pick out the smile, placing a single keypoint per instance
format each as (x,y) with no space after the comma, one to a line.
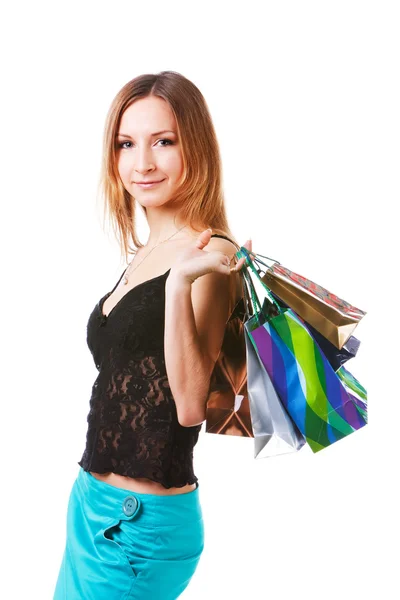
(149,185)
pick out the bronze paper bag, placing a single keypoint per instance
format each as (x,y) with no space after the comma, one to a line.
(332,316)
(228,410)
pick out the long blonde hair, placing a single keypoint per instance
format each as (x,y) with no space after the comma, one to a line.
(199,194)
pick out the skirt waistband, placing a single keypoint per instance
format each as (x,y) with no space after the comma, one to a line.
(152,510)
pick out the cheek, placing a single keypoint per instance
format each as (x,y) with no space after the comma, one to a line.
(124,170)
(174,164)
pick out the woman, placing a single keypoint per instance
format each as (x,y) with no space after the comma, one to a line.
(134,520)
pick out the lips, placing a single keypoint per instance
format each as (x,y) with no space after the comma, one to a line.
(145,182)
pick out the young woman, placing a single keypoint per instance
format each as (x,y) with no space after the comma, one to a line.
(134,521)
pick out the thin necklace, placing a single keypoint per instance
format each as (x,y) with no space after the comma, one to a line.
(130,270)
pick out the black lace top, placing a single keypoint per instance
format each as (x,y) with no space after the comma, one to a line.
(133,428)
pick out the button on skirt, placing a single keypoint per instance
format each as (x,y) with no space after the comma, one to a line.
(128,545)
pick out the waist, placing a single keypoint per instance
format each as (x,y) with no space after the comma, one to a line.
(153,510)
(141,485)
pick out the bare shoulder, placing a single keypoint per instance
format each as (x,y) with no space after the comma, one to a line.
(222,245)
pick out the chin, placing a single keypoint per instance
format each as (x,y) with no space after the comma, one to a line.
(152,203)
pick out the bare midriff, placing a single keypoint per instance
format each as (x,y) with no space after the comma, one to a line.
(141,485)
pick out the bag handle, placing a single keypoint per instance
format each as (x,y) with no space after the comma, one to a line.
(243,252)
(259,262)
(250,301)
(256,255)
(251,298)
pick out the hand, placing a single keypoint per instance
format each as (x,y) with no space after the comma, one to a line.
(194,261)
(249,246)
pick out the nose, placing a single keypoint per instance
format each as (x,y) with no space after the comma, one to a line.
(144,160)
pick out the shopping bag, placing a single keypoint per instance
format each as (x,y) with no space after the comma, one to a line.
(242,400)
(335,356)
(316,397)
(227,406)
(332,316)
(275,433)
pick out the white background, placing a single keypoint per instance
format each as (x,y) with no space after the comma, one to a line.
(305,101)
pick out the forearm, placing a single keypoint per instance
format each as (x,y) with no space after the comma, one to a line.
(188,369)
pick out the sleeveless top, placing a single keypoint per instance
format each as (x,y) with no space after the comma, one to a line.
(133,428)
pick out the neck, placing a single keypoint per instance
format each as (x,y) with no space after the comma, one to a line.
(163,224)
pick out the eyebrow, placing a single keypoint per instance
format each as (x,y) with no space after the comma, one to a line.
(152,134)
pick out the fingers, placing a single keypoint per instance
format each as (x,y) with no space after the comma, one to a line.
(249,246)
(203,238)
(238,265)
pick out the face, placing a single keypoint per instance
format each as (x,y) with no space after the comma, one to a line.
(143,156)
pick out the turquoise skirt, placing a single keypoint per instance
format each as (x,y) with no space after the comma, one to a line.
(124,545)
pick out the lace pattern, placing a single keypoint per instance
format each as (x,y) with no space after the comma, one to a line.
(133,428)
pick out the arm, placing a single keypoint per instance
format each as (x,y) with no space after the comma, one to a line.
(195,319)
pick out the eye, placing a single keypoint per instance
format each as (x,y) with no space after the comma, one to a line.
(169,142)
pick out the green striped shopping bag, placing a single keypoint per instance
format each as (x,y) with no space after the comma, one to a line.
(325,405)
